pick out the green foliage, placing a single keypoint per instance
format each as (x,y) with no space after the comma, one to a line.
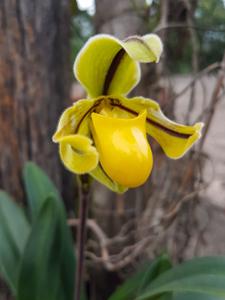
(201,275)
(208,22)
(38,188)
(140,280)
(47,268)
(200,278)
(195,296)
(210,29)
(37,260)
(211,15)
(82,29)
(14,231)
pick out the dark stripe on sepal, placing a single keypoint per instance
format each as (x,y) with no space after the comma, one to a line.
(112,70)
(165,129)
(86,114)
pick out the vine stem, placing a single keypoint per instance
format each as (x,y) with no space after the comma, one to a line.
(84,195)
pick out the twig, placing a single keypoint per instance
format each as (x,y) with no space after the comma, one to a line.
(99,233)
(207,110)
(182,25)
(129,253)
(203,72)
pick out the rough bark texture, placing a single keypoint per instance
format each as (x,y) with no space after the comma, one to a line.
(34,85)
(120,18)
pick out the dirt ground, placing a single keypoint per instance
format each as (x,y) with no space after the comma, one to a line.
(211,213)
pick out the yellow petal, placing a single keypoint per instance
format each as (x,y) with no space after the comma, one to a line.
(75,119)
(106,65)
(124,152)
(144,49)
(175,139)
(78,154)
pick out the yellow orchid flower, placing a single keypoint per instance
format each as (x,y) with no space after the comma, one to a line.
(105,134)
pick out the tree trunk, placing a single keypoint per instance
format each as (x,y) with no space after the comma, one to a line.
(121,19)
(34,85)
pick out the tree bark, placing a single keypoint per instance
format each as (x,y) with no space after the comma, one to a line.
(34,85)
(122,19)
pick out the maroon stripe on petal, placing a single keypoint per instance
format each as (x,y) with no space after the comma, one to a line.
(154,123)
(86,114)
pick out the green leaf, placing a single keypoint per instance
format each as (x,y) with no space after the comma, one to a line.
(139,281)
(193,296)
(47,269)
(14,231)
(201,275)
(38,187)
(166,296)
(158,266)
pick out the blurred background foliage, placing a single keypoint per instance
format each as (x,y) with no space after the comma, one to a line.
(210,17)
(82,28)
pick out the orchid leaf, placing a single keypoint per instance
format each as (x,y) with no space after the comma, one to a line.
(204,275)
(195,296)
(38,188)
(142,279)
(47,267)
(14,231)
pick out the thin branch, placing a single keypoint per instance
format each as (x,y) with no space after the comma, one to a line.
(207,110)
(131,252)
(182,25)
(203,72)
(99,233)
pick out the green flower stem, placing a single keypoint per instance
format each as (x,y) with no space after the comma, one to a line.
(84,196)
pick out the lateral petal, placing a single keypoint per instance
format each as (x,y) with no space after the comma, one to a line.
(75,119)
(174,138)
(78,154)
(144,49)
